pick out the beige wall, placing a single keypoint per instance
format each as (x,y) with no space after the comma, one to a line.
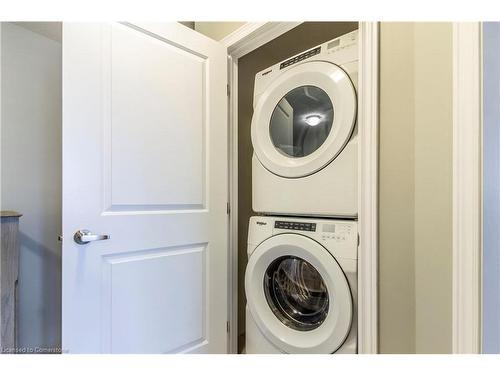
(415,187)
(396,192)
(433,187)
(217,30)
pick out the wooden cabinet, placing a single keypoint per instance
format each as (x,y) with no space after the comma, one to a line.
(9,270)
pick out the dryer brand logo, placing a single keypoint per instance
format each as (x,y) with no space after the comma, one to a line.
(261,223)
(267,72)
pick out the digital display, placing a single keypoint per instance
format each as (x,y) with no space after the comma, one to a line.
(300,57)
(334,43)
(295,225)
(329,228)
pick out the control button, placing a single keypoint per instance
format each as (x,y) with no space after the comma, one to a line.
(301,57)
(295,225)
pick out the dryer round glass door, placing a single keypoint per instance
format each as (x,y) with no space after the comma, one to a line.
(298,295)
(301,121)
(304,119)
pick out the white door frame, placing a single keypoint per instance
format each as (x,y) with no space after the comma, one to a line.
(368,112)
(250,37)
(467,187)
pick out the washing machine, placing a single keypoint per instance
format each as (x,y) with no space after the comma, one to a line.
(304,133)
(301,286)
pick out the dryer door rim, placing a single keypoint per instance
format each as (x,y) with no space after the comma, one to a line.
(330,78)
(331,334)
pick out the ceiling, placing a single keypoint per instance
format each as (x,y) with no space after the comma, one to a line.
(51,30)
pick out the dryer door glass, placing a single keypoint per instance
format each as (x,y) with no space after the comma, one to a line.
(301,121)
(296,293)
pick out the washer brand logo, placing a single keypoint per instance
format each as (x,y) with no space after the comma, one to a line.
(267,72)
(261,223)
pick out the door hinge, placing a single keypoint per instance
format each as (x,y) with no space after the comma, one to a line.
(228,208)
(228,327)
(60,238)
(228,90)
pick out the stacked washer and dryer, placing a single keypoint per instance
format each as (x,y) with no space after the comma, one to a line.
(301,277)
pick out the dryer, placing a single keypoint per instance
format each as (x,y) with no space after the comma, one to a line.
(304,133)
(301,286)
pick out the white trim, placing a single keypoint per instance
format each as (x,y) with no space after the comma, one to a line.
(232,66)
(248,38)
(232,40)
(368,192)
(253,35)
(467,130)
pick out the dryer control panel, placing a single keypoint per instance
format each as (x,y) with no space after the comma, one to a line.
(339,51)
(300,57)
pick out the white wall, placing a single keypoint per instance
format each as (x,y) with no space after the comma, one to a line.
(491,205)
(31,175)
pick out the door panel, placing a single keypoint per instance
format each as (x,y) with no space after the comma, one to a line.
(174,322)
(158,112)
(144,125)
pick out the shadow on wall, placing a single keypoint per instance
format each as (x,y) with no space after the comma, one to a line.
(31,173)
(39,283)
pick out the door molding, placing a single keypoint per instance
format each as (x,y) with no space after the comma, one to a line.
(368,192)
(467,185)
(250,37)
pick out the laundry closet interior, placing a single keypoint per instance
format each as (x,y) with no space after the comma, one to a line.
(301,38)
(32,121)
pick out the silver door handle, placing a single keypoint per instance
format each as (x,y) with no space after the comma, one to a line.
(84,236)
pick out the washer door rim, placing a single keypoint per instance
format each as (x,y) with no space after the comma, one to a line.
(331,334)
(330,78)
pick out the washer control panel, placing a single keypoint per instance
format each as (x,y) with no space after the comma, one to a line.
(337,231)
(295,225)
(338,236)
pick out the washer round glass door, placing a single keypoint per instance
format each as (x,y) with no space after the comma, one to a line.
(304,119)
(298,295)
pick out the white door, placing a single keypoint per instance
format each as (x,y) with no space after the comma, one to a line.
(144,162)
